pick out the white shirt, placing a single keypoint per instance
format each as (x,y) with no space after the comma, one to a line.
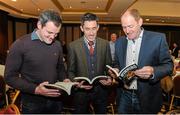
(112,47)
(133,49)
(86,42)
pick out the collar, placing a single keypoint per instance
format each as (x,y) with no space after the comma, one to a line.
(34,35)
(140,36)
(86,41)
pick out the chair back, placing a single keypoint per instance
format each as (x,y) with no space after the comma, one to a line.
(2,68)
(167,84)
(2,92)
(10,109)
(176,88)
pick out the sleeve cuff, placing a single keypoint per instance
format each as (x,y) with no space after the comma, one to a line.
(152,76)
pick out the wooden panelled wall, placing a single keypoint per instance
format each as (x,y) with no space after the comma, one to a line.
(12,28)
(3,35)
(71,32)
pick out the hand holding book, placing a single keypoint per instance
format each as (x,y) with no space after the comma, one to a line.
(126,74)
(90,81)
(86,83)
(41,90)
(62,86)
(145,72)
(83,85)
(113,72)
(106,82)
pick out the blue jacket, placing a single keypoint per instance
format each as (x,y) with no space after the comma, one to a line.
(154,52)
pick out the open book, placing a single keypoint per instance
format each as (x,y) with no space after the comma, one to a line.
(90,81)
(126,74)
(65,86)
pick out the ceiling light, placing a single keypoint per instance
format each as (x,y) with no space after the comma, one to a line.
(70,6)
(147,19)
(14,0)
(97,7)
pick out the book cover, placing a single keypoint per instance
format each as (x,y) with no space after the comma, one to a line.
(90,81)
(126,74)
(65,86)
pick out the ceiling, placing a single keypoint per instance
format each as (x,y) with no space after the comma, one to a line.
(154,12)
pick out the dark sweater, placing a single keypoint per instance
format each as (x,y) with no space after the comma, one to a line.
(35,61)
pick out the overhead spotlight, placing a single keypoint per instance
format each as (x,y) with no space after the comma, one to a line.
(14,0)
(147,19)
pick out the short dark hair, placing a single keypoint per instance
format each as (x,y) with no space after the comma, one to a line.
(89,17)
(50,15)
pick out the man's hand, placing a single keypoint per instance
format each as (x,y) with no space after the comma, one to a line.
(145,73)
(42,90)
(82,86)
(106,82)
(112,74)
(66,80)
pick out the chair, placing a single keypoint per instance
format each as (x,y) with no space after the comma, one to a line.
(2,68)
(112,100)
(8,107)
(11,108)
(176,90)
(111,108)
(2,92)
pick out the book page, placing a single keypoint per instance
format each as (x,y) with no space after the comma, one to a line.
(127,69)
(66,86)
(113,70)
(126,74)
(83,78)
(90,81)
(97,77)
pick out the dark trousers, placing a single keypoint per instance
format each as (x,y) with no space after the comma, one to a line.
(129,102)
(43,105)
(97,97)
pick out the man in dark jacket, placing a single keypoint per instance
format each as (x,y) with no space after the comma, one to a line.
(149,50)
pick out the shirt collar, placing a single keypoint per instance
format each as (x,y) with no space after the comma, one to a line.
(86,41)
(34,35)
(140,36)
